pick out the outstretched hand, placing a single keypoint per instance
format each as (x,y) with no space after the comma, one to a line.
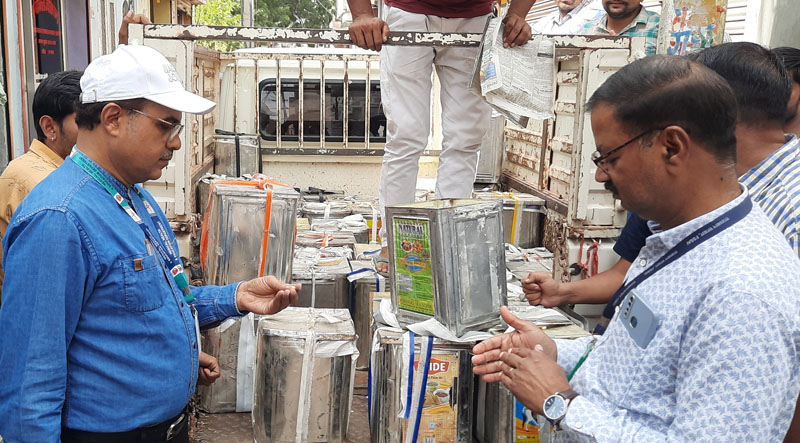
(265,295)
(487,361)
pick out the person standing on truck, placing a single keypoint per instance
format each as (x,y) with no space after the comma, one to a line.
(705,327)
(570,17)
(406,84)
(101,328)
(626,17)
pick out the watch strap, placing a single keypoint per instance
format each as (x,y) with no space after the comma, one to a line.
(568,395)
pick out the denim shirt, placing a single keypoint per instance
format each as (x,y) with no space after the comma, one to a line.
(96,335)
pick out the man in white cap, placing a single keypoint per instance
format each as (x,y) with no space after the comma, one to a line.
(100,337)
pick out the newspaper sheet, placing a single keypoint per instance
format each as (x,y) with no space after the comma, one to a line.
(518,82)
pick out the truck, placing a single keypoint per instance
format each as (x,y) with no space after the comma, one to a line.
(301,135)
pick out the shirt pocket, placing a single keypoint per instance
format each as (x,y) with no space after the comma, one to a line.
(143,283)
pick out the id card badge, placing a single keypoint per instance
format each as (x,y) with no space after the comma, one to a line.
(638,318)
(197,330)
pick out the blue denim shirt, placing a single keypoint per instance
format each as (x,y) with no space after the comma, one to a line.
(95,334)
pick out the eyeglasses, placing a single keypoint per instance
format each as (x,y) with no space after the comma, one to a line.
(600,160)
(176,127)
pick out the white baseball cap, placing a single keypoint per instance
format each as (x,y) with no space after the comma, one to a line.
(137,71)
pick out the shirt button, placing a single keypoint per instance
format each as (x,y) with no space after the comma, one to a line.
(578,425)
(643,262)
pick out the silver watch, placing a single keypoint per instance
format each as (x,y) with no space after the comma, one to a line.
(555,406)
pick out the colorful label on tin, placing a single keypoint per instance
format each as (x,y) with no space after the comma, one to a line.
(414,279)
(526,427)
(439,420)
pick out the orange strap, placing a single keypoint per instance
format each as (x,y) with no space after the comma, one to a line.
(261,182)
(265,237)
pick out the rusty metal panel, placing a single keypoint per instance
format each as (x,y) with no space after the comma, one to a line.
(298,35)
(553,157)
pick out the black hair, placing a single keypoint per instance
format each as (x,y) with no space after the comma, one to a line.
(55,97)
(663,90)
(87,115)
(757,76)
(790,57)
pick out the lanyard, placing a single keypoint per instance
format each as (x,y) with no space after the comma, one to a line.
(712,228)
(164,245)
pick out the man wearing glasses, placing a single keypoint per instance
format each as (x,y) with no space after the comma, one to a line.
(101,327)
(705,322)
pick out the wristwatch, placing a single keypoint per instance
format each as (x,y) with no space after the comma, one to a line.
(555,406)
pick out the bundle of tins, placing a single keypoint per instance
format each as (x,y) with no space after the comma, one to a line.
(356,214)
(248,231)
(448,279)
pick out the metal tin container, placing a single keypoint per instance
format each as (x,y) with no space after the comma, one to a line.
(447,412)
(305,369)
(490,160)
(235,233)
(351,223)
(447,261)
(325,285)
(504,418)
(330,209)
(223,343)
(236,155)
(316,239)
(522,217)
(233,343)
(364,282)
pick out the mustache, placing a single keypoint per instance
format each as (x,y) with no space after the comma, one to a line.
(167,156)
(610,187)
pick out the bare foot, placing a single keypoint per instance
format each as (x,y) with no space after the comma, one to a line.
(383,266)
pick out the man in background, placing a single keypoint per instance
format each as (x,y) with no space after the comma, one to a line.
(570,17)
(626,17)
(56,132)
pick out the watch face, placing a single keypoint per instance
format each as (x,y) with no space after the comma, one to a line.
(555,407)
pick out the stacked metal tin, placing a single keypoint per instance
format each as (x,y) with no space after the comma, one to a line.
(446,409)
(244,219)
(447,262)
(235,235)
(305,368)
(522,217)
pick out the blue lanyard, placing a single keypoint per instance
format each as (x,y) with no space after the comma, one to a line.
(164,246)
(712,228)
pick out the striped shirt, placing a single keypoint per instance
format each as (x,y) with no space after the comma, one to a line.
(775,185)
(644,25)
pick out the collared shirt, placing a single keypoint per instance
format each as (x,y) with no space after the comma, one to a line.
(775,186)
(96,334)
(20,176)
(645,24)
(572,22)
(722,365)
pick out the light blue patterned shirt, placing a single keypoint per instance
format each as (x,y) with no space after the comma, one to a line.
(775,186)
(724,363)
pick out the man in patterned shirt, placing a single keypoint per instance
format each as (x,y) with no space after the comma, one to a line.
(721,364)
(626,17)
(569,18)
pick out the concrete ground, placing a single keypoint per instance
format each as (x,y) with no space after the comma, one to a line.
(237,427)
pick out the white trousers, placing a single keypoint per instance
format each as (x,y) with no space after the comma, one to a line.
(406,82)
